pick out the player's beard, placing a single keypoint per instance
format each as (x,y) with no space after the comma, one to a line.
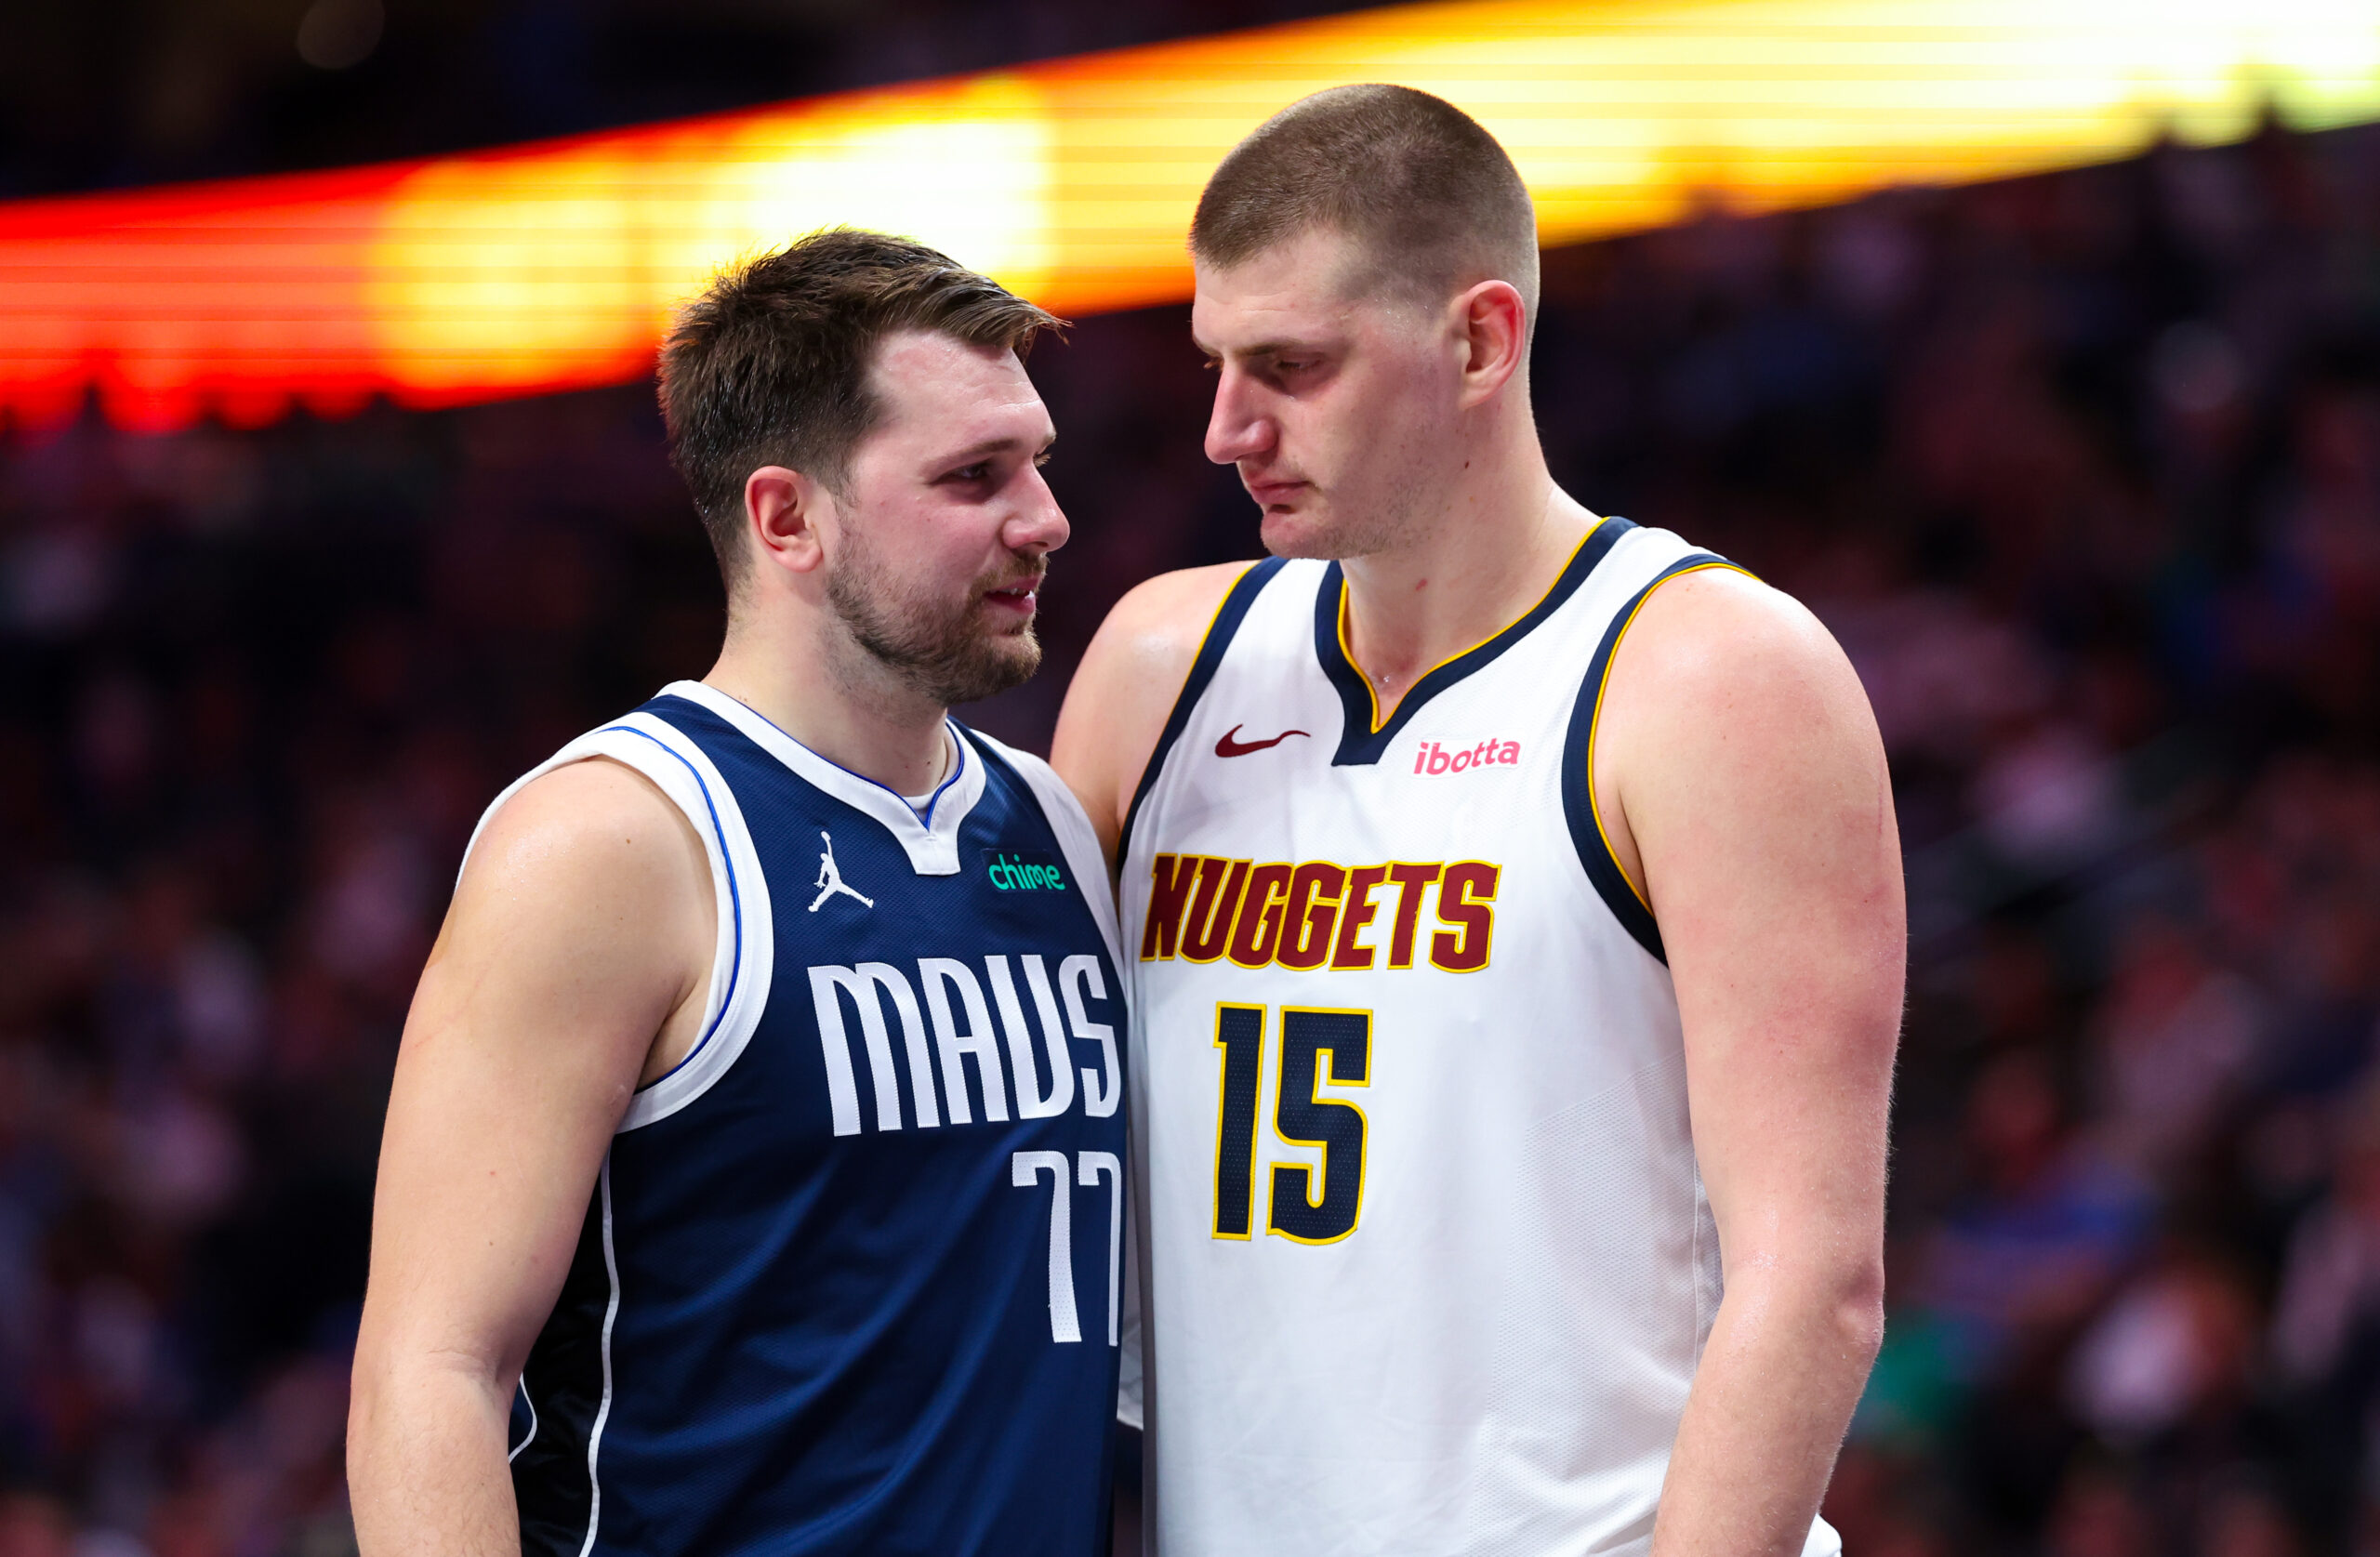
(939,648)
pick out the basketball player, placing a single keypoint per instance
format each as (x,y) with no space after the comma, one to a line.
(1518,929)
(752,1178)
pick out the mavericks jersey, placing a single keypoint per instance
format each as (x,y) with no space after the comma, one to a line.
(849,1279)
(1429,1262)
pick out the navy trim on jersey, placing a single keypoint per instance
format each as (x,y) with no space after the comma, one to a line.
(1360,744)
(1228,617)
(734,902)
(1611,883)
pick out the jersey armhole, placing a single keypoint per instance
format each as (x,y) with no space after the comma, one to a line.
(742,961)
(1220,632)
(1579,809)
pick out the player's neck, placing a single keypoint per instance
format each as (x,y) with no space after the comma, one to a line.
(1477,568)
(829,696)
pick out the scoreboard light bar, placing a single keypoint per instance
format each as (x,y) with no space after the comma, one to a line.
(556,265)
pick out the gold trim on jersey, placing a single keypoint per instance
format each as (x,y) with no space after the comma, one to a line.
(1595,725)
(1347,648)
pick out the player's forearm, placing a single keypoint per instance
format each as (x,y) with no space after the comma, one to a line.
(1788,1355)
(426,1462)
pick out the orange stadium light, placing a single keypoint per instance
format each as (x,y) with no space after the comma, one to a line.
(556,266)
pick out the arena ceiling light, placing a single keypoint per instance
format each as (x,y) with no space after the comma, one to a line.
(555,265)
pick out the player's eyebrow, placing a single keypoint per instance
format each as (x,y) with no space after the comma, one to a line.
(1262,349)
(991,446)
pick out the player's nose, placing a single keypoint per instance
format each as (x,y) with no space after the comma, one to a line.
(1237,427)
(1038,524)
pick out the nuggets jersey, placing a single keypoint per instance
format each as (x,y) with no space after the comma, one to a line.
(849,1282)
(1429,1262)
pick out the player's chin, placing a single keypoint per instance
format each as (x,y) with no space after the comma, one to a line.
(1004,635)
(1299,532)
(995,666)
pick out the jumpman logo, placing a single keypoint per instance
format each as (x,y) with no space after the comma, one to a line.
(830,879)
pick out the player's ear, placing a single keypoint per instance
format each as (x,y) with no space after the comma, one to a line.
(1493,321)
(781,512)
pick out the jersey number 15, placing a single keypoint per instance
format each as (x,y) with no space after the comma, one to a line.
(1307,1205)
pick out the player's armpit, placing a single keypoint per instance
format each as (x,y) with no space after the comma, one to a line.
(1118,702)
(1742,765)
(581,929)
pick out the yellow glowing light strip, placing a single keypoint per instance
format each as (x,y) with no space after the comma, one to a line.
(558,265)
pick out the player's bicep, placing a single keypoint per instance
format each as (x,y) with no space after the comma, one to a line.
(1761,811)
(566,950)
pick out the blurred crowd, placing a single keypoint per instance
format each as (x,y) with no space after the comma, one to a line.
(2083,470)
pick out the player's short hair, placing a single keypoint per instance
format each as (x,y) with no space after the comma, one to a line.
(769,366)
(1428,196)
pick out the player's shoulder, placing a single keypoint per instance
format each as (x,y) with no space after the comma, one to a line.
(1128,678)
(1717,655)
(1168,616)
(1146,646)
(1719,626)
(581,826)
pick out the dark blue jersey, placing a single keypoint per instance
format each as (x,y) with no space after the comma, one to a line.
(849,1282)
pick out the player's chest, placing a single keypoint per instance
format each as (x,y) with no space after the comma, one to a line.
(909,1002)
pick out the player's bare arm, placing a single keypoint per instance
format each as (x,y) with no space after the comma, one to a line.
(1746,794)
(573,964)
(1117,705)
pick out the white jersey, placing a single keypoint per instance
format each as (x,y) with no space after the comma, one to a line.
(1429,1261)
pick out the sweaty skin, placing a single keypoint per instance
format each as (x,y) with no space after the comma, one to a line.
(576,960)
(1740,777)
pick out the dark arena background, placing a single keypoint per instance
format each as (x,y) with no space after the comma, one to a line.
(2082,468)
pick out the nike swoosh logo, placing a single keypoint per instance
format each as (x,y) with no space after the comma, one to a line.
(1229,747)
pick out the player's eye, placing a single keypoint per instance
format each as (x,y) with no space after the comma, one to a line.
(978,471)
(1041,459)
